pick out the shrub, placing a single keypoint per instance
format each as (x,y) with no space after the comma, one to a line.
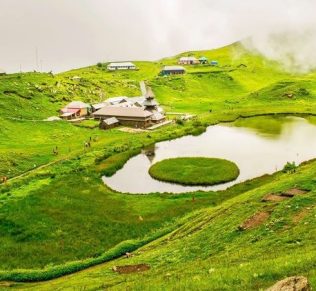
(290,168)
(179,121)
(197,123)
(116,162)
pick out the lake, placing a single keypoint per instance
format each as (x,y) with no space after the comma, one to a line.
(259,145)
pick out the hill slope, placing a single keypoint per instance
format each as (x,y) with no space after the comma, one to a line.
(211,251)
(60,211)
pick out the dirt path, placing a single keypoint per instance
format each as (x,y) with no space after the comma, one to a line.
(23,119)
(64,158)
(142,86)
(131,268)
(36,169)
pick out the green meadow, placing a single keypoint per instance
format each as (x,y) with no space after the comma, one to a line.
(195,171)
(57,217)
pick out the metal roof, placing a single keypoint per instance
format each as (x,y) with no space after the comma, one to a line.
(110,121)
(122,64)
(174,68)
(70,110)
(99,105)
(157,116)
(77,104)
(140,100)
(68,114)
(123,112)
(118,99)
(188,59)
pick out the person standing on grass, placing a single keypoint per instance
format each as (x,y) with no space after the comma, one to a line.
(55,151)
(85,146)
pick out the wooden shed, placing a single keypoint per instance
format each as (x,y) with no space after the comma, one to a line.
(109,123)
(172,70)
(188,61)
(121,66)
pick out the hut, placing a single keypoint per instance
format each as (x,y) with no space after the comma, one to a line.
(130,116)
(121,66)
(75,109)
(116,100)
(172,70)
(203,60)
(96,107)
(158,117)
(109,123)
(188,61)
(69,114)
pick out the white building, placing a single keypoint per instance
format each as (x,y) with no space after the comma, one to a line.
(121,66)
(188,61)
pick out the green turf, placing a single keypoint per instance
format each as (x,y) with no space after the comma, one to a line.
(210,252)
(195,171)
(62,212)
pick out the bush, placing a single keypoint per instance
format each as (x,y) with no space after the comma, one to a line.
(116,162)
(290,168)
(302,92)
(197,123)
(179,121)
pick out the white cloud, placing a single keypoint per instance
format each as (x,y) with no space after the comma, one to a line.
(74,33)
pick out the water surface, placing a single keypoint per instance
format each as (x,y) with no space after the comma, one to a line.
(259,146)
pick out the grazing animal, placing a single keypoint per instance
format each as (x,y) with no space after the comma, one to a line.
(128,255)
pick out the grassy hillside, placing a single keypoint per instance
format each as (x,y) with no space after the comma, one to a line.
(211,251)
(225,90)
(59,210)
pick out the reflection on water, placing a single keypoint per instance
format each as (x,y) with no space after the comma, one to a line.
(258,146)
(271,126)
(150,152)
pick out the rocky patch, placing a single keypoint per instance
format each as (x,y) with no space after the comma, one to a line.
(131,269)
(255,220)
(273,198)
(278,197)
(293,192)
(296,283)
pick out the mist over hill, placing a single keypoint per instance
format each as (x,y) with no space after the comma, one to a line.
(60,35)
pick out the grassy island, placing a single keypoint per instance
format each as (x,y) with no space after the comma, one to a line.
(195,171)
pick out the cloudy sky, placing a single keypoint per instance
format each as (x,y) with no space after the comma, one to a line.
(67,34)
